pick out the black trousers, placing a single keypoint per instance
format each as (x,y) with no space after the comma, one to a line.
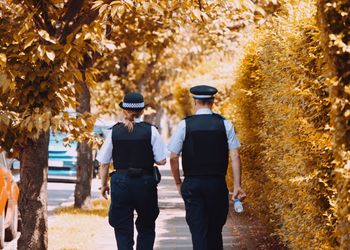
(129,194)
(206,202)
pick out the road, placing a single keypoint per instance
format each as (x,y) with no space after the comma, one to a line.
(59,194)
(63,194)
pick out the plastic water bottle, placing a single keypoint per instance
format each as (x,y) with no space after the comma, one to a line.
(237,204)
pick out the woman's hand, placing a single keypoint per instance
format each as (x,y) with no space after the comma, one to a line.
(104,180)
(178,187)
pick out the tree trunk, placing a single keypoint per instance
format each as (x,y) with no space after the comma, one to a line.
(82,192)
(33,194)
(155,117)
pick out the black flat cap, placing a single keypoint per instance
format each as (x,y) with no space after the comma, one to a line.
(203,92)
(132,100)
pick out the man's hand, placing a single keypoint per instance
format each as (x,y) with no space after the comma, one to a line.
(178,187)
(239,193)
(174,165)
(105,192)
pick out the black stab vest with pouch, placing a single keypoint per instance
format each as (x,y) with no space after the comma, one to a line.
(205,149)
(132,150)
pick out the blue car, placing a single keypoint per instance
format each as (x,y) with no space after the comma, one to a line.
(101,131)
(62,159)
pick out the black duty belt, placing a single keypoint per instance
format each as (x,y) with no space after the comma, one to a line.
(134,171)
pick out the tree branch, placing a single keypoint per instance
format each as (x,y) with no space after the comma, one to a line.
(44,10)
(85,18)
(73,8)
(200,5)
(109,27)
(146,74)
(201,9)
(37,20)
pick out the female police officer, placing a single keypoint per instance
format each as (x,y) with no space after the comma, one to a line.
(134,147)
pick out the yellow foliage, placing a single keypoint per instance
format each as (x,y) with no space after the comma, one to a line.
(224,105)
(40,70)
(335,23)
(182,104)
(97,207)
(282,105)
(106,96)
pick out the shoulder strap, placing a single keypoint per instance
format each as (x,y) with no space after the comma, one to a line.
(150,124)
(219,116)
(117,124)
(187,117)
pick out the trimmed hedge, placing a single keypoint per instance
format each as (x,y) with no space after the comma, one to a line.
(282,117)
(290,105)
(334,19)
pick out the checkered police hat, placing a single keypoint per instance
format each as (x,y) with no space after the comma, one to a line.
(203,92)
(132,101)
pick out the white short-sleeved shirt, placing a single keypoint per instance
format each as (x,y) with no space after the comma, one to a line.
(104,155)
(176,142)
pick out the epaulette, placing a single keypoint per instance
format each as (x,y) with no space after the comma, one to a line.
(220,116)
(118,123)
(187,117)
(151,124)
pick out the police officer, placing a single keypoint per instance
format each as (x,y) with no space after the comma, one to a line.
(134,146)
(205,140)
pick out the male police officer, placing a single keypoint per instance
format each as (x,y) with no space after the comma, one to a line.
(205,140)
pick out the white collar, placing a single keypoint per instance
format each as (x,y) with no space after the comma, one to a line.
(138,120)
(204,111)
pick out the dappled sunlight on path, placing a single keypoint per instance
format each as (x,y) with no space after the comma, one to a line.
(82,232)
(172,230)
(90,232)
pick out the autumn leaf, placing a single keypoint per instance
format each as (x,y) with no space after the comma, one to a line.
(41,51)
(157,8)
(129,2)
(50,55)
(45,35)
(29,41)
(4,83)
(30,126)
(3,60)
(67,48)
(103,8)
(197,14)
(97,4)
(110,45)
(250,5)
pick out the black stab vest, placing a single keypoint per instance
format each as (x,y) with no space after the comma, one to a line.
(132,150)
(205,149)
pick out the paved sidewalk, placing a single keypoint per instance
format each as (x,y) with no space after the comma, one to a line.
(240,232)
(172,230)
